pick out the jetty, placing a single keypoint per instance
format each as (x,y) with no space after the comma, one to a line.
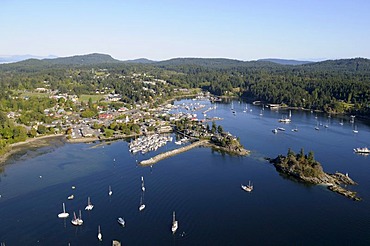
(170,153)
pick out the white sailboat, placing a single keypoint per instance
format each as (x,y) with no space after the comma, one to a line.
(64,214)
(142,184)
(89,205)
(100,236)
(248,187)
(121,221)
(142,205)
(175,223)
(110,191)
(355,130)
(77,221)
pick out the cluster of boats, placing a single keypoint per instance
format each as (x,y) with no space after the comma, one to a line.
(78,221)
(145,144)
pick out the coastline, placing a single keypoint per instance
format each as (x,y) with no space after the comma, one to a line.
(31,142)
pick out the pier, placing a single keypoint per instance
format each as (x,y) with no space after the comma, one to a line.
(170,153)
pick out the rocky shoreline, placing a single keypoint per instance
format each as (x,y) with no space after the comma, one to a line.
(310,171)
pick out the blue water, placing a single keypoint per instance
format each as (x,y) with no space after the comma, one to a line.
(201,185)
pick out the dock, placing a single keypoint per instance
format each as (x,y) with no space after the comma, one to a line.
(170,153)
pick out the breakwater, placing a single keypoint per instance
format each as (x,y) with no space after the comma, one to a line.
(170,153)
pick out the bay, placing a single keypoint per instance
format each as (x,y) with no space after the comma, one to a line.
(201,185)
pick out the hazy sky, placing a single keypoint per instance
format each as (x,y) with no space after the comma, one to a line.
(163,29)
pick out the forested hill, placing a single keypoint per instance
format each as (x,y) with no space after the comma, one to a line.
(285,61)
(83,60)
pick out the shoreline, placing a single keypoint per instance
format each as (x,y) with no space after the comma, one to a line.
(31,142)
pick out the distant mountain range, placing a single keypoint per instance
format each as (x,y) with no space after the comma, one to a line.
(355,64)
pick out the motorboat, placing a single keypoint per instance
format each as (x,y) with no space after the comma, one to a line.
(71,197)
(142,206)
(64,214)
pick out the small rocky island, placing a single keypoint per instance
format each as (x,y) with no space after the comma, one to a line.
(306,169)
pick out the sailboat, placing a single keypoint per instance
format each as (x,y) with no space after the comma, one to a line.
(100,236)
(142,205)
(355,130)
(142,184)
(341,123)
(89,205)
(248,187)
(77,221)
(317,126)
(110,191)
(175,223)
(64,214)
(121,221)
(246,108)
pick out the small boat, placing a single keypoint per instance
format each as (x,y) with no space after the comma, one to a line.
(285,120)
(110,191)
(317,128)
(73,187)
(77,221)
(341,123)
(175,223)
(121,221)
(89,205)
(355,130)
(281,129)
(142,206)
(64,214)
(295,130)
(275,131)
(100,236)
(71,197)
(248,187)
(364,150)
(142,184)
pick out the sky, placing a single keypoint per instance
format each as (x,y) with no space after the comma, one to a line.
(164,29)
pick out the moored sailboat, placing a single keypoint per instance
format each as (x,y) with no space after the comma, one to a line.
(64,214)
(175,223)
(248,187)
(89,205)
(100,236)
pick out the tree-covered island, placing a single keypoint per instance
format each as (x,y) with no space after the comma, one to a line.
(306,169)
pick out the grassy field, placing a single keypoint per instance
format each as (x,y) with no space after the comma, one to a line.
(95,97)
